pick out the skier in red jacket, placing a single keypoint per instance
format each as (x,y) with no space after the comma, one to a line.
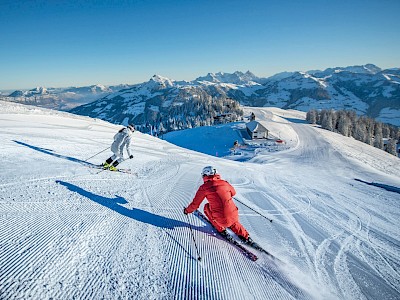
(220,209)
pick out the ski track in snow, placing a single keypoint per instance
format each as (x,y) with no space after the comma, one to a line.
(68,231)
(318,258)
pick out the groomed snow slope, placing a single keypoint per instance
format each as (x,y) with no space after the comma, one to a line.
(70,232)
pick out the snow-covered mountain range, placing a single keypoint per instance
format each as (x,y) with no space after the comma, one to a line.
(367,89)
(60,98)
(164,103)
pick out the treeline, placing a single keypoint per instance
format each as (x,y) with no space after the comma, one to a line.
(198,111)
(364,129)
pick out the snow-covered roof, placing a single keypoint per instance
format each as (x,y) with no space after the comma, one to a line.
(255,126)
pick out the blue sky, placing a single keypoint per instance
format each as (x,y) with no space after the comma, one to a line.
(76,43)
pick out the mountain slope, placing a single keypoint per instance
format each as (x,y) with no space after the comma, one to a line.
(374,94)
(68,232)
(366,89)
(61,98)
(164,104)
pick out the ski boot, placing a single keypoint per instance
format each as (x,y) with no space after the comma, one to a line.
(112,168)
(249,241)
(105,165)
(224,233)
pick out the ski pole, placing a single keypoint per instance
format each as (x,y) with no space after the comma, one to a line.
(194,240)
(252,209)
(97,153)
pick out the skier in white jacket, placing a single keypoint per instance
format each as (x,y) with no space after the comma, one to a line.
(121,140)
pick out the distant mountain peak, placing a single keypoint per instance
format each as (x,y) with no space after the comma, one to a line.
(158,81)
(364,88)
(99,88)
(38,90)
(236,78)
(248,73)
(161,79)
(280,76)
(356,69)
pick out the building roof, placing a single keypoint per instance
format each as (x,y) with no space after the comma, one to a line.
(255,126)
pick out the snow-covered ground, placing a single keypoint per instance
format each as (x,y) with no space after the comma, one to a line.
(218,140)
(68,231)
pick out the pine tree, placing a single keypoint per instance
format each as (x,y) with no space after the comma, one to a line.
(385,130)
(312,116)
(395,132)
(326,120)
(351,114)
(162,128)
(378,136)
(343,123)
(360,131)
(334,118)
(391,147)
(370,125)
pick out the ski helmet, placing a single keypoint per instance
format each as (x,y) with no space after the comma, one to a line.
(131,127)
(208,171)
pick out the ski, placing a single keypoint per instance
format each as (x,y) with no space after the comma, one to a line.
(100,167)
(256,246)
(229,239)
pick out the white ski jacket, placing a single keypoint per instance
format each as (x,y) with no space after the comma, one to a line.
(121,140)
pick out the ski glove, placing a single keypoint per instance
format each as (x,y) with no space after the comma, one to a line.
(131,156)
(185,211)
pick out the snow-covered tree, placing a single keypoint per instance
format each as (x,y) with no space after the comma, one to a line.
(363,129)
(162,128)
(334,117)
(360,131)
(385,130)
(343,123)
(312,116)
(326,120)
(370,125)
(394,132)
(391,147)
(378,137)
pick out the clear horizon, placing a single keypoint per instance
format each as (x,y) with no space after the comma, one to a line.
(68,43)
(129,83)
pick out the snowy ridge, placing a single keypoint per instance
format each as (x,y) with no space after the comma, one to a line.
(68,232)
(60,98)
(366,89)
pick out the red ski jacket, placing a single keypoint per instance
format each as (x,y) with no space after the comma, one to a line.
(219,194)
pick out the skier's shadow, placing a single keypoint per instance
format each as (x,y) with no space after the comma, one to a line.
(50,152)
(135,213)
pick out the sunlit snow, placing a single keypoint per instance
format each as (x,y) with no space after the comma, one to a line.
(69,231)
